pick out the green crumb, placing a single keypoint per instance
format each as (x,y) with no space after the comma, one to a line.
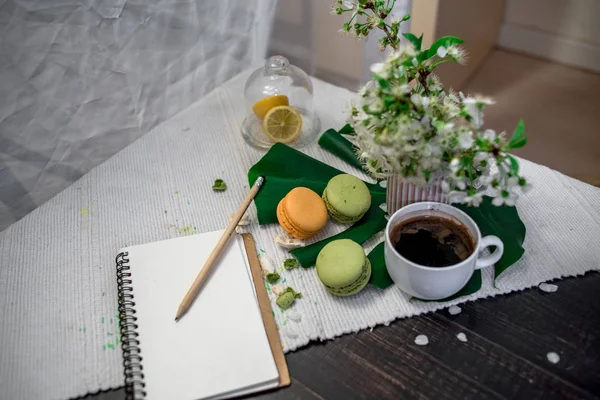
(111,346)
(104,347)
(296,295)
(286,299)
(272,277)
(219,185)
(290,263)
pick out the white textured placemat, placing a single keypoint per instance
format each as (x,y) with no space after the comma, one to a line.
(57,274)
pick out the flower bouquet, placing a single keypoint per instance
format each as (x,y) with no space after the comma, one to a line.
(428,141)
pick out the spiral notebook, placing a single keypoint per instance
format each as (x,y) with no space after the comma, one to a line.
(226,345)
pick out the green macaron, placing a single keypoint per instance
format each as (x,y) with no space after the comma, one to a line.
(347,198)
(343,267)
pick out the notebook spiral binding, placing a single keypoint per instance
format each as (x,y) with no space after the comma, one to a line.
(132,359)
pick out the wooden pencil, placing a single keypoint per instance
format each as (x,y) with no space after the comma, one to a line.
(210,262)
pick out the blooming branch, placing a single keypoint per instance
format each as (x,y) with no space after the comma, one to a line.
(407,124)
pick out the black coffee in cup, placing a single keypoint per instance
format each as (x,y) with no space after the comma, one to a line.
(432,241)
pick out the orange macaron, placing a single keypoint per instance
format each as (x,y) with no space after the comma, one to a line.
(302,213)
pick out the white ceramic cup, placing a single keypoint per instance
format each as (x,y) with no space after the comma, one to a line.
(435,283)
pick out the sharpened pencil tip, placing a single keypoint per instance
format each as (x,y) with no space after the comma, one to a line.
(176,319)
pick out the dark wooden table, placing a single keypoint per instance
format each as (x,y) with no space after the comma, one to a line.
(504,357)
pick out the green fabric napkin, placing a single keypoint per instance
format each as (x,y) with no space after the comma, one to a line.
(286,168)
(335,143)
(379,275)
(373,222)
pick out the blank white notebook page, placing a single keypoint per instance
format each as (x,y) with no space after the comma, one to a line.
(220,346)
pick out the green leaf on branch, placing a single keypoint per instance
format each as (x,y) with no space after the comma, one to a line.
(518,138)
(445,41)
(514,164)
(416,41)
(382,82)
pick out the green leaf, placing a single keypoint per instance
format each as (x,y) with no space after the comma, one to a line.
(335,143)
(517,144)
(416,41)
(347,130)
(518,134)
(514,164)
(445,41)
(373,222)
(379,275)
(472,286)
(503,222)
(284,169)
(382,82)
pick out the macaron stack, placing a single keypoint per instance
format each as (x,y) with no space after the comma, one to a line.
(347,198)
(302,213)
(343,267)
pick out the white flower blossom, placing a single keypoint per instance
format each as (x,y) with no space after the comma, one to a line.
(413,127)
(441,52)
(505,198)
(489,134)
(377,68)
(458,54)
(466,140)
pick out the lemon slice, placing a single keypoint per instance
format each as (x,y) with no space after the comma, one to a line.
(262,107)
(282,124)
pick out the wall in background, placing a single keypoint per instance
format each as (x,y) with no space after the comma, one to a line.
(565,31)
(476,22)
(307,33)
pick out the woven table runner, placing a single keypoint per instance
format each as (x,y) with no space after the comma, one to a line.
(57,273)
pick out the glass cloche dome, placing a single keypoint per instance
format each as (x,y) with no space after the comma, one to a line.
(279,106)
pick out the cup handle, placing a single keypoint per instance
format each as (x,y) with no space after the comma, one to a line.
(492,258)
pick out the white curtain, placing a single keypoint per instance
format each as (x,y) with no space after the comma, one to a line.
(81,79)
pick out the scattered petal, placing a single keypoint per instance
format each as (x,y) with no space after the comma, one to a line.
(548,287)
(553,357)
(422,340)
(462,337)
(294,316)
(243,222)
(289,243)
(265,264)
(277,289)
(383,184)
(383,206)
(291,332)
(454,310)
